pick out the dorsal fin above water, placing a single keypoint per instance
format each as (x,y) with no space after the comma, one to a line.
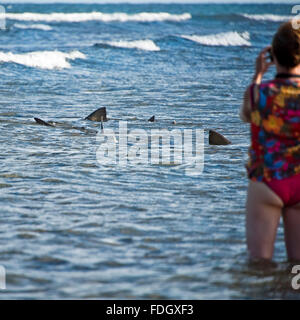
(43,123)
(98,115)
(216,138)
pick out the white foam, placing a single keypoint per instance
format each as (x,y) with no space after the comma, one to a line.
(98,16)
(43,27)
(147,45)
(232,38)
(42,59)
(268,17)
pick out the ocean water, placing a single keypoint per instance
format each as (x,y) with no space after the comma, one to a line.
(73,228)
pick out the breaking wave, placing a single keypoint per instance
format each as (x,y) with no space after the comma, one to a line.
(268,17)
(147,45)
(42,59)
(33,26)
(98,16)
(232,38)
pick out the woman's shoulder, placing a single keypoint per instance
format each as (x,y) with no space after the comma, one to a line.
(273,83)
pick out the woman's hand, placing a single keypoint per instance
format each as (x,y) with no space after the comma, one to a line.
(262,65)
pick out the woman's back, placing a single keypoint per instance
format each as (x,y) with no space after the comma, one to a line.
(275,122)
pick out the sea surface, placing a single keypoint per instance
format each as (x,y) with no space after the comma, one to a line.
(73,228)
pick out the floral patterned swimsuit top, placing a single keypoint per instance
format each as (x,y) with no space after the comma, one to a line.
(275,130)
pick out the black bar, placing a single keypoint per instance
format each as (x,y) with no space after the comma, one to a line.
(142,309)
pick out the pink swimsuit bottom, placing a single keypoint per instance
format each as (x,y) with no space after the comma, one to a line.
(288,189)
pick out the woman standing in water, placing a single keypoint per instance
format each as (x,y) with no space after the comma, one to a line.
(273,109)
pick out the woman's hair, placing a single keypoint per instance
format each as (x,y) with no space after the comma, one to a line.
(286,45)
